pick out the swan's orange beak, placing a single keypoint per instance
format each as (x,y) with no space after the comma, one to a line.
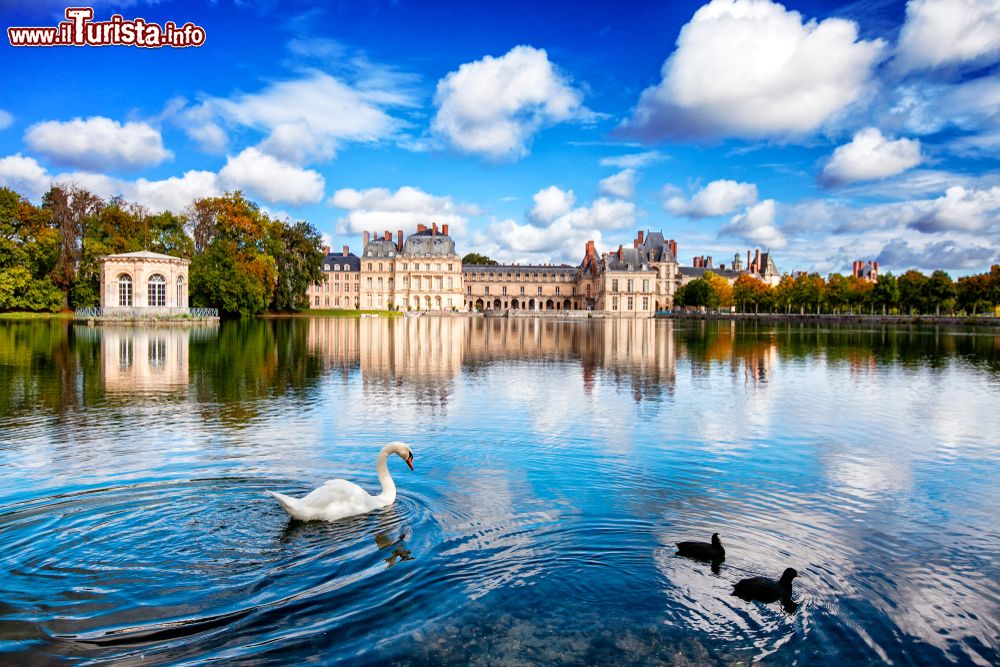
(409,460)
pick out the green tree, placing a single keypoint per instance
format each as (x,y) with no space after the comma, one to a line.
(697,293)
(973,293)
(807,291)
(750,294)
(296,251)
(231,270)
(885,293)
(475,258)
(940,292)
(837,288)
(913,291)
(28,253)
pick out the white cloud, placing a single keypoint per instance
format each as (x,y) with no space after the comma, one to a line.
(318,109)
(297,142)
(275,181)
(940,33)
(494,106)
(752,68)
(620,185)
(175,193)
(5,119)
(870,156)
(98,143)
(633,160)
(379,209)
(24,174)
(555,229)
(756,225)
(946,254)
(960,209)
(550,203)
(720,197)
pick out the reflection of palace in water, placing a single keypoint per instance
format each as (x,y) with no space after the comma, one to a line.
(147,358)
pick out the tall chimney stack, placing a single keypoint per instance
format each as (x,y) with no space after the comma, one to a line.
(434,229)
(444,229)
(673,248)
(756,260)
(635,243)
(749,263)
(641,236)
(399,240)
(347,251)
(421,227)
(366,236)
(326,250)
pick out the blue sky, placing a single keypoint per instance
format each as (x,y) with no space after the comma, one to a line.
(824,132)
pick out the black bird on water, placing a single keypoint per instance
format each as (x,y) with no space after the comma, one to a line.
(767,590)
(703,550)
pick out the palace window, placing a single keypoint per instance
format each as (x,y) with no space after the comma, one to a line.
(468,290)
(630,303)
(124,290)
(504,290)
(405,266)
(557,290)
(522,290)
(614,303)
(180,291)
(369,266)
(645,285)
(157,290)
(645,303)
(614,286)
(326,267)
(486,290)
(316,300)
(336,267)
(450,267)
(539,291)
(450,283)
(629,285)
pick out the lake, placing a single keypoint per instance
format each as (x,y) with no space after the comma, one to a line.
(556,465)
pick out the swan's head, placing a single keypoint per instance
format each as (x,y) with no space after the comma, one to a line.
(404,452)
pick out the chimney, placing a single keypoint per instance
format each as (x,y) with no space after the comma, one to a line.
(366,241)
(749,263)
(434,229)
(641,236)
(399,240)
(326,250)
(673,248)
(709,263)
(619,252)
(444,229)
(347,251)
(756,260)
(421,228)
(635,242)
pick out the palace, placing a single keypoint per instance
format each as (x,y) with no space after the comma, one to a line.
(424,272)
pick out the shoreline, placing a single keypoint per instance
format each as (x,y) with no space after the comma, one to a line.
(826,318)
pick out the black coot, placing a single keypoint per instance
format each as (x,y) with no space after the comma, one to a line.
(763,589)
(703,550)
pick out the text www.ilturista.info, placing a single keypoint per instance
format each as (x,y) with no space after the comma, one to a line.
(79,29)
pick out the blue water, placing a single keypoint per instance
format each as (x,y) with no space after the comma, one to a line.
(556,465)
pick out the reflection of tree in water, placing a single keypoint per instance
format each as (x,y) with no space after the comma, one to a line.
(47,365)
(399,551)
(249,361)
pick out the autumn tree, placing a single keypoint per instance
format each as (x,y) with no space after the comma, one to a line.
(29,251)
(749,292)
(722,289)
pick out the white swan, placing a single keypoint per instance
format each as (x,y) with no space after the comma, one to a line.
(339,498)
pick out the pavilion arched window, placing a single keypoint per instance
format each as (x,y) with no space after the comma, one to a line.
(180,291)
(157,292)
(125,290)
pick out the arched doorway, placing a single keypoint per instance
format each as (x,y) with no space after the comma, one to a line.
(514,304)
(496,303)
(549,305)
(531,304)
(567,305)
(437,303)
(125,290)
(479,304)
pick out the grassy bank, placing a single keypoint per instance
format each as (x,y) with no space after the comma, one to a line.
(331,312)
(36,316)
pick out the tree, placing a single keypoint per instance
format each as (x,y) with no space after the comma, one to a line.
(697,293)
(973,293)
(476,259)
(807,291)
(71,210)
(913,291)
(722,289)
(749,291)
(837,288)
(940,292)
(231,270)
(297,255)
(29,250)
(885,293)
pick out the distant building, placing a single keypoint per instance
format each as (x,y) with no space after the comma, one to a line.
(144,283)
(866,271)
(424,272)
(341,288)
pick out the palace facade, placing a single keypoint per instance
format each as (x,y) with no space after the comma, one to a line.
(424,272)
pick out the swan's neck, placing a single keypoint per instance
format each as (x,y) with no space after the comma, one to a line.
(388,494)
